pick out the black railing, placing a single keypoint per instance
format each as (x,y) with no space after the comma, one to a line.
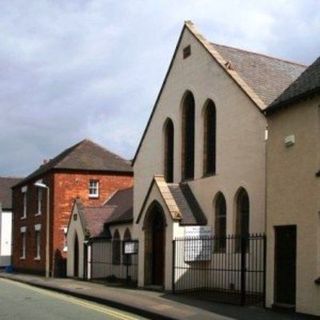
(227,269)
(109,262)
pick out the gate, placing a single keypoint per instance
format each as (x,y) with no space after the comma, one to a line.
(227,269)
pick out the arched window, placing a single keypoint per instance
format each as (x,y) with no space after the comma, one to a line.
(209,156)
(242,218)
(116,248)
(188,130)
(168,150)
(127,261)
(220,226)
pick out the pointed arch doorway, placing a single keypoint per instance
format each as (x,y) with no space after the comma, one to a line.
(155,243)
(76,257)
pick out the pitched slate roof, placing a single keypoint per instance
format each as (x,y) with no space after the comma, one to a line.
(122,202)
(5,191)
(180,201)
(260,77)
(267,76)
(93,219)
(85,155)
(117,210)
(188,205)
(307,84)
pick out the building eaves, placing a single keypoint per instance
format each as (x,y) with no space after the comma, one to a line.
(83,156)
(306,85)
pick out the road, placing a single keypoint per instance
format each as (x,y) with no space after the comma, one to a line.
(20,301)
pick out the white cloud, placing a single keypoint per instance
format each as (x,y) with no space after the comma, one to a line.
(77,68)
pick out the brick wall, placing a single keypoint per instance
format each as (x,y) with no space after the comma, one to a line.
(29,264)
(64,188)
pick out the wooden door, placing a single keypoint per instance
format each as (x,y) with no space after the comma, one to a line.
(158,245)
(76,257)
(285,265)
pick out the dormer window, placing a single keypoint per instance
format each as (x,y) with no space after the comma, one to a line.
(93,189)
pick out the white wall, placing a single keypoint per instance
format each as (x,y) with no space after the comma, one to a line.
(74,228)
(293,197)
(240,144)
(5,237)
(240,137)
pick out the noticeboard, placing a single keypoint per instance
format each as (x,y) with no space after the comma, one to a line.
(130,247)
(198,243)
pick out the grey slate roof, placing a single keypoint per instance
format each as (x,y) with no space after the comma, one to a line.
(188,205)
(122,202)
(93,219)
(267,76)
(85,155)
(5,191)
(307,84)
(117,210)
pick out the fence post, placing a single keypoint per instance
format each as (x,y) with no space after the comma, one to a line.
(264,269)
(173,265)
(244,239)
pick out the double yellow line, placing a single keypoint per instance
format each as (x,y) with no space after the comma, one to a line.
(79,302)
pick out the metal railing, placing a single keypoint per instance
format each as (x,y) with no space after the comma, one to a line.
(108,262)
(226,269)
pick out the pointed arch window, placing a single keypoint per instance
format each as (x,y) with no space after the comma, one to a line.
(168,150)
(220,226)
(209,155)
(188,133)
(116,248)
(242,218)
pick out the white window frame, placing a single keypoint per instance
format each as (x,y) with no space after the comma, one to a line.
(23,232)
(37,229)
(24,192)
(94,186)
(39,203)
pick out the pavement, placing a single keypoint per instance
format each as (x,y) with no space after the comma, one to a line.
(151,304)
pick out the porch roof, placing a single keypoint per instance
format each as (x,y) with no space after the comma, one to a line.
(180,202)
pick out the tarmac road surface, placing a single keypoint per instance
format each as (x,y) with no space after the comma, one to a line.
(21,301)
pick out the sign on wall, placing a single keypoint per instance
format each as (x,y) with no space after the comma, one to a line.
(198,243)
(130,247)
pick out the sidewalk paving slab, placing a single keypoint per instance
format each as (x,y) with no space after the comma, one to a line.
(151,304)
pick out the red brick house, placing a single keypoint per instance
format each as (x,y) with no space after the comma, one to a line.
(86,171)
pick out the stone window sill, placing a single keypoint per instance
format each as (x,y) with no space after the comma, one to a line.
(37,258)
(23,218)
(22,258)
(37,214)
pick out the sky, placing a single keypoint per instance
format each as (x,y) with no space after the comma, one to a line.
(80,69)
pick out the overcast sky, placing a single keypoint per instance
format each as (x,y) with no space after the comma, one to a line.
(92,69)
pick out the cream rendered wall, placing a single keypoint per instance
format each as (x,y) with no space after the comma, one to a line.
(293,196)
(240,137)
(120,271)
(74,228)
(122,229)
